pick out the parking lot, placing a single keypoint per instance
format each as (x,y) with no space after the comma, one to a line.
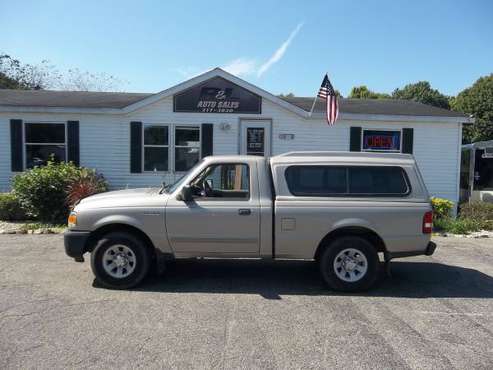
(433,313)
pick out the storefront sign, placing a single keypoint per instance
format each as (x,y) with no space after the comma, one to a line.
(382,140)
(217,95)
(255,141)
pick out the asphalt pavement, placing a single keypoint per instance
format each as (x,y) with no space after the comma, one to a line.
(435,312)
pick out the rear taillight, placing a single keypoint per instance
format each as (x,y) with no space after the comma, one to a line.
(428,222)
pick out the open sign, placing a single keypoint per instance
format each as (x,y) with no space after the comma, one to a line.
(382,140)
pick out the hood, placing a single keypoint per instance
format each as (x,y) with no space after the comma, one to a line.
(124,198)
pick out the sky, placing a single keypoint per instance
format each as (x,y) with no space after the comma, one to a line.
(280,46)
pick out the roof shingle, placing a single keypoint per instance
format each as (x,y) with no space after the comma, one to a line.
(118,100)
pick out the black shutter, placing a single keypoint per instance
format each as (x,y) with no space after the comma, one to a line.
(207,139)
(407,140)
(73,151)
(355,139)
(16,144)
(135,147)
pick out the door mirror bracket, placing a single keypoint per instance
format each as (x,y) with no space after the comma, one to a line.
(185,194)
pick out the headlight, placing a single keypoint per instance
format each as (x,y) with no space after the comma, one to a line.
(72,219)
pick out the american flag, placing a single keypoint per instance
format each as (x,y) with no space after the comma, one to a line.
(328,93)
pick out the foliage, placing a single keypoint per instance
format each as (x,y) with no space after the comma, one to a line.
(10,208)
(458,225)
(17,75)
(362,92)
(422,92)
(441,207)
(473,216)
(42,191)
(480,211)
(477,101)
(85,183)
(43,227)
(288,95)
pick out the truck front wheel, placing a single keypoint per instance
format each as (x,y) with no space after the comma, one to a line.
(349,264)
(120,261)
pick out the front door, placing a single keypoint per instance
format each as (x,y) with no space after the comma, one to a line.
(255,138)
(223,217)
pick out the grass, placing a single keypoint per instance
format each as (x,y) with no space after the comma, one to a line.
(45,227)
(460,225)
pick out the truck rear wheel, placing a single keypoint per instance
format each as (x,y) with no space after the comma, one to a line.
(349,264)
(120,261)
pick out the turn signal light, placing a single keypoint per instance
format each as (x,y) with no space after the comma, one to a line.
(72,220)
(428,222)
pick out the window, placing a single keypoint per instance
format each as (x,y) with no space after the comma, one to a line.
(381,141)
(187,147)
(224,181)
(316,180)
(319,181)
(377,181)
(156,143)
(43,142)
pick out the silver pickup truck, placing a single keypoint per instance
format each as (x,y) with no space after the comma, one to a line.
(339,209)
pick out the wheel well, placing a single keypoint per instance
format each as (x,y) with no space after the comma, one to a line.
(98,233)
(362,232)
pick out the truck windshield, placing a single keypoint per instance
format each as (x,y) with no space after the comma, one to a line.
(172,187)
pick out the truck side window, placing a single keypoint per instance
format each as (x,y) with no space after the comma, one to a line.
(324,181)
(229,180)
(316,180)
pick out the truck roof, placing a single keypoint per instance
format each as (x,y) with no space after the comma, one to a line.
(363,157)
(318,157)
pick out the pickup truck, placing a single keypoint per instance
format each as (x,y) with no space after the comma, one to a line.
(342,210)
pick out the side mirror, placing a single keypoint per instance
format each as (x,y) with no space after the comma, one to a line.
(185,194)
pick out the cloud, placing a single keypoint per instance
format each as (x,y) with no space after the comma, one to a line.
(245,66)
(279,53)
(241,67)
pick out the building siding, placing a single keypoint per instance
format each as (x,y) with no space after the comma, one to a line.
(105,141)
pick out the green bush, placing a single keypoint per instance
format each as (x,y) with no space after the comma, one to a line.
(457,225)
(441,208)
(10,208)
(42,191)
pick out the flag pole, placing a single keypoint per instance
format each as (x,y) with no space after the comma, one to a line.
(313,105)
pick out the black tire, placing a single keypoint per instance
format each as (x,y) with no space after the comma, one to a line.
(328,256)
(142,260)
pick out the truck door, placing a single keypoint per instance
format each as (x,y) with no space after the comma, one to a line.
(223,219)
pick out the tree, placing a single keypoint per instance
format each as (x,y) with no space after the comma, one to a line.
(16,75)
(422,92)
(362,92)
(288,95)
(477,101)
(8,83)
(26,76)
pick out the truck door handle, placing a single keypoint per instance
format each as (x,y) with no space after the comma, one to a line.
(244,211)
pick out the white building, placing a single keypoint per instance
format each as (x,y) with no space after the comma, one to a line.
(143,139)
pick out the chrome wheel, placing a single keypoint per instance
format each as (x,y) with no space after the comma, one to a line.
(350,265)
(119,261)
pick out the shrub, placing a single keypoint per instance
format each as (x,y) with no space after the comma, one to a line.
(477,211)
(441,208)
(458,225)
(10,208)
(42,191)
(85,183)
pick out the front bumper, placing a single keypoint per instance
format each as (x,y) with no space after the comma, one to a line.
(75,243)
(429,250)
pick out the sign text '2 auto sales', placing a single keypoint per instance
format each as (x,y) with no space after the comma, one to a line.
(217,95)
